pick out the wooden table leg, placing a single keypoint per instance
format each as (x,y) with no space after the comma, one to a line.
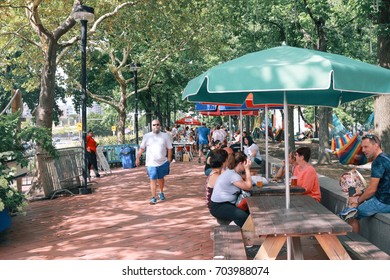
(332,247)
(270,248)
(248,233)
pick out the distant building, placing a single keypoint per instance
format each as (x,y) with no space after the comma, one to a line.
(96,108)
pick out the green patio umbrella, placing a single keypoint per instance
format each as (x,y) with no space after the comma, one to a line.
(289,75)
(307,77)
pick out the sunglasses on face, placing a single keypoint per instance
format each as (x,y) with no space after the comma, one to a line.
(156,124)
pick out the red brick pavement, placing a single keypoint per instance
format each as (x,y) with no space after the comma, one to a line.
(116,222)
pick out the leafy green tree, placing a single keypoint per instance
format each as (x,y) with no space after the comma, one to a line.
(94,123)
(44,31)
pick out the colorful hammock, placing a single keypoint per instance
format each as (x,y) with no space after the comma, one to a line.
(351,152)
(339,141)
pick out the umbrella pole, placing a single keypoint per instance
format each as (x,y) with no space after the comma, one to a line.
(287,167)
(230,128)
(287,164)
(266,143)
(241,129)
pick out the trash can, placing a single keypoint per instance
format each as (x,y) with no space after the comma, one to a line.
(127,154)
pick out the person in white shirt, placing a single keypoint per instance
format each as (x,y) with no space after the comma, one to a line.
(252,150)
(168,131)
(157,145)
(219,134)
(174,132)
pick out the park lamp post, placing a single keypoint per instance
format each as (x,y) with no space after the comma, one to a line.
(84,14)
(134,67)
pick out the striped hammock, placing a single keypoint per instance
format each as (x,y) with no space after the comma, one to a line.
(340,141)
(351,151)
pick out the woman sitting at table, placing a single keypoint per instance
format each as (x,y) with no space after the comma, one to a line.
(215,145)
(217,162)
(306,174)
(227,187)
(252,150)
(292,164)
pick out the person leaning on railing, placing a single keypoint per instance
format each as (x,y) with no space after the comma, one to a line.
(91,153)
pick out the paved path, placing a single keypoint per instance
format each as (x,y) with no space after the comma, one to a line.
(116,222)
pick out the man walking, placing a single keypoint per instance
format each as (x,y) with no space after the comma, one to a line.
(203,139)
(157,145)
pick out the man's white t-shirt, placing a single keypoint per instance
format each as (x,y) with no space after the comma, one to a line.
(156,145)
(219,134)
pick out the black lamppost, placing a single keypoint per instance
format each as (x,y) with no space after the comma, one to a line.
(135,67)
(84,14)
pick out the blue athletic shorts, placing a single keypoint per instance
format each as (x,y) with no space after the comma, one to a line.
(370,207)
(158,172)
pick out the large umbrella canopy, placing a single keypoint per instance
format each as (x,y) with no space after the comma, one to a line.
(307,77)
(188,121)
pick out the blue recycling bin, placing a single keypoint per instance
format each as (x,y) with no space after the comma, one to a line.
(5,220)
(127,154)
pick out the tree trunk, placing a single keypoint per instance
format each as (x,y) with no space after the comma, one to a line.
(382,103)
(323,156)
(291,139)
(122,114)
(44,110)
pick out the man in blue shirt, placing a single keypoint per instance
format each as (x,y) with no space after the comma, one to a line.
(376,198)
(203,139)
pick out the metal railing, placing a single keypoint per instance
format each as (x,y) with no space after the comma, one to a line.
(113,152)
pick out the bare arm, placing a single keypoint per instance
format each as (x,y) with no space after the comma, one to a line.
(170,155)
(247,183)
(281,172)
(140,151)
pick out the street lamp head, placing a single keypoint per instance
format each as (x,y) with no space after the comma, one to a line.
(82,12)
(135,66)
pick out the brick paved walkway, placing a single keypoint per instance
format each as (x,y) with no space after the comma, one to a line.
(116,222)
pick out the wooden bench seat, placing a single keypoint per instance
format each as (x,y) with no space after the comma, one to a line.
(228,243)
(360,248)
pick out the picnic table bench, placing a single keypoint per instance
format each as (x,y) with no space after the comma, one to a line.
(362,249)
(228,243)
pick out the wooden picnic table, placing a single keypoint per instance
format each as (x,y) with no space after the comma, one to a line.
(269,218)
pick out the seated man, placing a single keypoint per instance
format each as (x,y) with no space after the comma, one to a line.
(376,198)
